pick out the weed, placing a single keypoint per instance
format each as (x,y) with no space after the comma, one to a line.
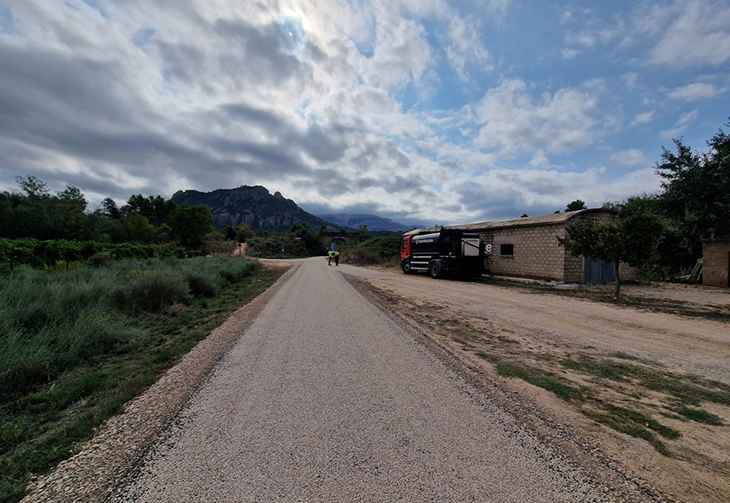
(699,415)
(633,423)
(540,378)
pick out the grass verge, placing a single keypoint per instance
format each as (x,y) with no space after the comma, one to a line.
(80,344)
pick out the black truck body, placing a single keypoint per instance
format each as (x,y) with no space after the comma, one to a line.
(448,251)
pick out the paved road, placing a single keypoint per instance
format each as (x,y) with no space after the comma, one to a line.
(324,399)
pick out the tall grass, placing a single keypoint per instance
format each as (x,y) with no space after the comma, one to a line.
(52,322)
(78,344)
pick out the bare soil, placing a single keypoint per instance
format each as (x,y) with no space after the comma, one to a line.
(646,379)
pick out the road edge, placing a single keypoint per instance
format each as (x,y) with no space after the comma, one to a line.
(102,462)
(598,467)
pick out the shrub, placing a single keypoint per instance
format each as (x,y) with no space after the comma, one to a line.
(101,259)
(154,290)
(241,270)
(202,285)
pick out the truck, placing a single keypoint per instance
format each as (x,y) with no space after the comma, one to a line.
(454,252)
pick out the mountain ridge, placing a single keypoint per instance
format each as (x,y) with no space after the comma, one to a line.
(250,205)
(373,222)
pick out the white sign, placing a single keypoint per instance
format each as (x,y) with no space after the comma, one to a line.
(488,248)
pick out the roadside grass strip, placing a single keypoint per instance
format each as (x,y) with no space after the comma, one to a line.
(80,344)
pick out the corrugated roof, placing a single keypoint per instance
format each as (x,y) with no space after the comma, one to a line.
(552,219)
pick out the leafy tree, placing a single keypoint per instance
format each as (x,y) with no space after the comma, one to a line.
(33,214)
(32,186)
(697,190)
(133,229)
(191,224)
(72,218)
(155,208)
(229,232)
(243,233)
(111,210)
(576,205)
(631,238)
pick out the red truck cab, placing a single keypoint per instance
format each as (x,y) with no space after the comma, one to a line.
(405,248)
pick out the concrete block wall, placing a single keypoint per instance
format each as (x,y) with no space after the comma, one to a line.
(715,258)
(536,251)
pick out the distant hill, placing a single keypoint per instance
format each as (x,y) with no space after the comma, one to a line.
(254,206)
(374,222)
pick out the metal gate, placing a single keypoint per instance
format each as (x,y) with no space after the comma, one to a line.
(597,272)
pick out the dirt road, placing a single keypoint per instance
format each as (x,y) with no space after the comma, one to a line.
(693,345)
(324,398)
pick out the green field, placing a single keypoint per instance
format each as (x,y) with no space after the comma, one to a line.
(78,344)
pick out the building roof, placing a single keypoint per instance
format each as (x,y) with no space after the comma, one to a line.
(552,219)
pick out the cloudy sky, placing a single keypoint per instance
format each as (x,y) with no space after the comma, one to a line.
(422,110)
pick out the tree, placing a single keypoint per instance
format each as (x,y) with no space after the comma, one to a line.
(631,238)
(229,233)
(72,219)
(133,229)
(155,208)
(697,190)
(243,233)
(576,205)
(32,186)
(111,210)
(191,224)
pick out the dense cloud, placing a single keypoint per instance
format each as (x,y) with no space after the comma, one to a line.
(401,107)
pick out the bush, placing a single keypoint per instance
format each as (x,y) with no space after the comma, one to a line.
(154,291)
(380,250)
(47,254)
(202,285)
(53,321)
(101,259)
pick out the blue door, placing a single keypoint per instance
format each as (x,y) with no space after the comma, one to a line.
(597,272)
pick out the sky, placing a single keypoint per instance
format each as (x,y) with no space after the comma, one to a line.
(424,111)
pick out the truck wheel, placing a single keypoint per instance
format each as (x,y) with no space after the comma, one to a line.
(435,270)
(407,267)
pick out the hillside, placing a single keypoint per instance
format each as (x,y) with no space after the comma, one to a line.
(374,222)
(254,206)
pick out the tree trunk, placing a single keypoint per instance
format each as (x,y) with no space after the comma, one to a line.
(617,290)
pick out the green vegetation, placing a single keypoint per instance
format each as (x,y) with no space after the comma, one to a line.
(373,250)
(79,344)
(540,378)
(633,423)
(631,239)
(300,241)
(47,254)
(699,415)
(663,234)
(35,213)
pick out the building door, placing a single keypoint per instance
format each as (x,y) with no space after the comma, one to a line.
(597,272)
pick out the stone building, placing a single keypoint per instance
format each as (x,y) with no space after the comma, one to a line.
(716,263)
(528,247)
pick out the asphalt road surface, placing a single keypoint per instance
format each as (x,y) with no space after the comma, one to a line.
(325,399)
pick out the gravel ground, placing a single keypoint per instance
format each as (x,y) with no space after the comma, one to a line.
(324,398)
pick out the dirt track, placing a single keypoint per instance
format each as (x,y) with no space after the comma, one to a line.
(641,361)
(692,345)
(324,398)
